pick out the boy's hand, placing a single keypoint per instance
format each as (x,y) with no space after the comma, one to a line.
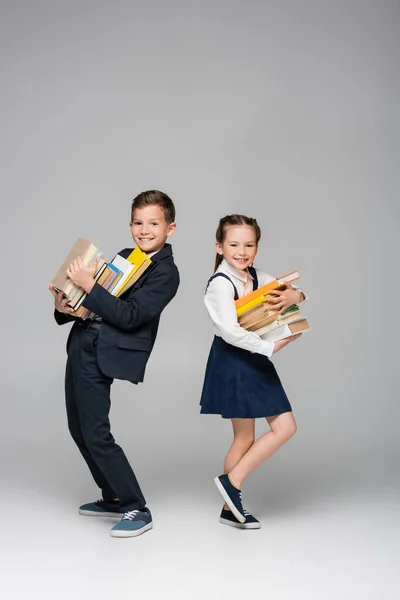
(60,302)
(282,299)
(282,343)
(81,275)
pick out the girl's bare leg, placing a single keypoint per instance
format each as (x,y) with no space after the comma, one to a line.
(283,427)
(243,439)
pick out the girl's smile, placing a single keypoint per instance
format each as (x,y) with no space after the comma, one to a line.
(239,247)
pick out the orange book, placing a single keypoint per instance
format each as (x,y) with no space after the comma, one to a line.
(258,296)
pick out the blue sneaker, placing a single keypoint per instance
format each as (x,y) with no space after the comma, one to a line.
(232,496)
(100,508)
(227,518)
(133,523)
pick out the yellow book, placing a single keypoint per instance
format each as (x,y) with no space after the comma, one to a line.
(135,276)
(137,257)
(251,304)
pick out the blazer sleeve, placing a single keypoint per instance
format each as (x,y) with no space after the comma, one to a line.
(63,318)
(140,306)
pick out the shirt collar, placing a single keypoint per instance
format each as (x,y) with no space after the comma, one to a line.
(243,276)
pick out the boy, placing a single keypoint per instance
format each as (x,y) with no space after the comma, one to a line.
(117,345)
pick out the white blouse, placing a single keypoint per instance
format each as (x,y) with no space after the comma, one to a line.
(220,303)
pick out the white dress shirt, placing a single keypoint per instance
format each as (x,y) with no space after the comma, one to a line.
(220,303)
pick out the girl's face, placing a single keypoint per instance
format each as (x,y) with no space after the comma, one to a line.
(239,246)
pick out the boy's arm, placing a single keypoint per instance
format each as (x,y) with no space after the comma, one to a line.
(140,306)
(62,313)
(62,318)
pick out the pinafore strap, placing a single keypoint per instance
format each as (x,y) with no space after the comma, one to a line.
(252,272)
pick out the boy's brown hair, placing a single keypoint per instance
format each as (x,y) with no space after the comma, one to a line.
(155,197)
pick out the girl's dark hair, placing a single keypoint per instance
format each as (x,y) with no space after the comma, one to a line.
(228,221)
(155,197)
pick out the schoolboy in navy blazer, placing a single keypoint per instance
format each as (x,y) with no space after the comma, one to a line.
(130,322)
(117,345)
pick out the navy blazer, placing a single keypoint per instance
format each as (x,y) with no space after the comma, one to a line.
(130,322)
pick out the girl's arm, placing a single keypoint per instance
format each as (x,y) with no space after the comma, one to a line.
(219,301)
(264,278)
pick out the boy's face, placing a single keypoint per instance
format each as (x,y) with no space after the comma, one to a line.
(150,229)
(239,247)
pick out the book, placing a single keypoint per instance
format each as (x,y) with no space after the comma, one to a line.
(290,314)
(109,281)
(81,295)
(114,283)
(106,280)
(88,252)
(260,295)
(135,276)
(126,274)
(270,318)
(256,314)
(284,330)
(137,258)
(123,265)
(71,290)
(116,277)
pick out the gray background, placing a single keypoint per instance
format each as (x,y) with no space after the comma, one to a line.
(285,111)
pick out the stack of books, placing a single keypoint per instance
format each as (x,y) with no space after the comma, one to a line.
(116,277)
(256,314)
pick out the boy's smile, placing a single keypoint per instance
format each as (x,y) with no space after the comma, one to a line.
(239,247)
(150,229)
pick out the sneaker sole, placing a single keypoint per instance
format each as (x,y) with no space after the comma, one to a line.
(240,525)
(228,500)
(92,513)
(121,533)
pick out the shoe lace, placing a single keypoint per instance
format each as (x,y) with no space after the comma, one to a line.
(245,512)
(130,515)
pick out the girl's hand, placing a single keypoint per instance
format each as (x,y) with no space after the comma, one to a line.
(282,343)
(60,302)
(81,275)
(282,299)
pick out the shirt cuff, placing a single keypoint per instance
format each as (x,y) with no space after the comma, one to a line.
(295,287)
(266,348)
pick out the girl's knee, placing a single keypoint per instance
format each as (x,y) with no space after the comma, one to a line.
(291,429)
(244,443)
(284,426)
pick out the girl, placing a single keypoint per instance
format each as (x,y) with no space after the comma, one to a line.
(241,383)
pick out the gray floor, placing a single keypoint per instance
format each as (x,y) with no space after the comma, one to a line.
(328,532)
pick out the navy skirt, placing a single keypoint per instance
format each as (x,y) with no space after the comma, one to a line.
(241,385)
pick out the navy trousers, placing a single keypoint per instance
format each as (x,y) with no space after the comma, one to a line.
(87,393)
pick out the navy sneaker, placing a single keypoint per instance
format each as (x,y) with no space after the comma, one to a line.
(232,496)
(100,508)
(227,518)
(133,523)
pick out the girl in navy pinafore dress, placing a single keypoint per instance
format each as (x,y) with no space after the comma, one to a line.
(241,382)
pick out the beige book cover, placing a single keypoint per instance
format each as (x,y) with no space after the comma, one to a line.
(82,247)
(263,321)
(283,331)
